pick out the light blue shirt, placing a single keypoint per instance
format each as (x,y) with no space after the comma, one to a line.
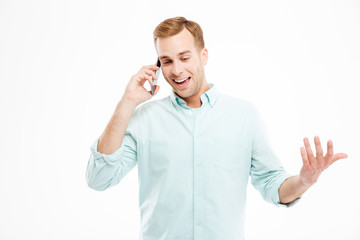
(193,168)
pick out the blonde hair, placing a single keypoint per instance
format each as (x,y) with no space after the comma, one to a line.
(173,26)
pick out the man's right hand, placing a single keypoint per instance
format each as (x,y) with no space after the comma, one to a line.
(135,90)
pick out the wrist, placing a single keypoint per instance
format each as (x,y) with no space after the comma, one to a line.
(304,184)
(128,101)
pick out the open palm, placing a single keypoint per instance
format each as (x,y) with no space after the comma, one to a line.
(313,166)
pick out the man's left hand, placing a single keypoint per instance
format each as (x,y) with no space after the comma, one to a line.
(313,166)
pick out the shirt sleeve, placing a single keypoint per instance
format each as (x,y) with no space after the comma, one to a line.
(104,171)
(267,173)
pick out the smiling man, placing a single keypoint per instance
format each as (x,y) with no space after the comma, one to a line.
(183,60)
(195,149)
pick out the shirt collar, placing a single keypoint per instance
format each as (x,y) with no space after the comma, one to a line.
(210,97)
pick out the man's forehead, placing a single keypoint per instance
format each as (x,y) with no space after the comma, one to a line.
(176,44)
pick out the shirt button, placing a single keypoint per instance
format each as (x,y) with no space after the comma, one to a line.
(198,194)
(198,164)
(198,223)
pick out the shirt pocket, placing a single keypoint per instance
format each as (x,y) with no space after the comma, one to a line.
(232,153)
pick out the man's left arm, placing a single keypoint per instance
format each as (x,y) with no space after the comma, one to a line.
(293,187)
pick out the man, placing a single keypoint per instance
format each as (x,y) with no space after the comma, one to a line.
(195,148)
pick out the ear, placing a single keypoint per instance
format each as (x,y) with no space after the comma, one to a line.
(204,56)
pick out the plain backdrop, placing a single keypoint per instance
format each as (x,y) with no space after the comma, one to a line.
(64,66)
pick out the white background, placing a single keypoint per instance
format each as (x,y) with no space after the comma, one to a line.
(65,64)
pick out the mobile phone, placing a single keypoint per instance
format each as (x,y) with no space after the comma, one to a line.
(157,73)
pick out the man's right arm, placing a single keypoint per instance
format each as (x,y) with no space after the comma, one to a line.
(134,95)
(114,153)
(112,137)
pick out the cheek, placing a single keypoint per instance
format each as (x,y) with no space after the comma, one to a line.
(190,68)
(199,72)
(166,73)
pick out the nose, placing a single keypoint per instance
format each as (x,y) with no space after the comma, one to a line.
(177,68)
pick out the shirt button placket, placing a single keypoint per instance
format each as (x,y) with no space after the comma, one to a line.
(198,186)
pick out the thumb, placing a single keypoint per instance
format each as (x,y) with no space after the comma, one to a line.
(156,87)
(338,156)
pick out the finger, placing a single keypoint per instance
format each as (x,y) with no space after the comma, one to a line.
(146,77)
(319,150)
(304,156)
(330,151)
(150,73)
(152,67)
(309,152)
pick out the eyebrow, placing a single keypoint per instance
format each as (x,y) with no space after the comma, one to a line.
(179,54)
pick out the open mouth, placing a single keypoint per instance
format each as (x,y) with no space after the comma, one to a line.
(182,82)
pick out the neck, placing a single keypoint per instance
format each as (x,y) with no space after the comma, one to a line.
(195,101)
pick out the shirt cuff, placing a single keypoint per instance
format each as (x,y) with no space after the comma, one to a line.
(110,159)
(287,205)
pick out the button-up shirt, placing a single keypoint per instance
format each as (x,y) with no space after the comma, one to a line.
(193,167)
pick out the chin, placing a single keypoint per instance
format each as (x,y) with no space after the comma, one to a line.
(186,95)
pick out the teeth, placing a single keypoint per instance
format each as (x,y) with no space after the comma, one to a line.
(179,81)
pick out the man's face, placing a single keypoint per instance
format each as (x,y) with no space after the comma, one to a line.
(180,59)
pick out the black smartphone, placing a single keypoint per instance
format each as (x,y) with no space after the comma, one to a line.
(157,73)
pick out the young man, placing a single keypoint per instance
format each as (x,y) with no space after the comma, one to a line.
(195,148)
